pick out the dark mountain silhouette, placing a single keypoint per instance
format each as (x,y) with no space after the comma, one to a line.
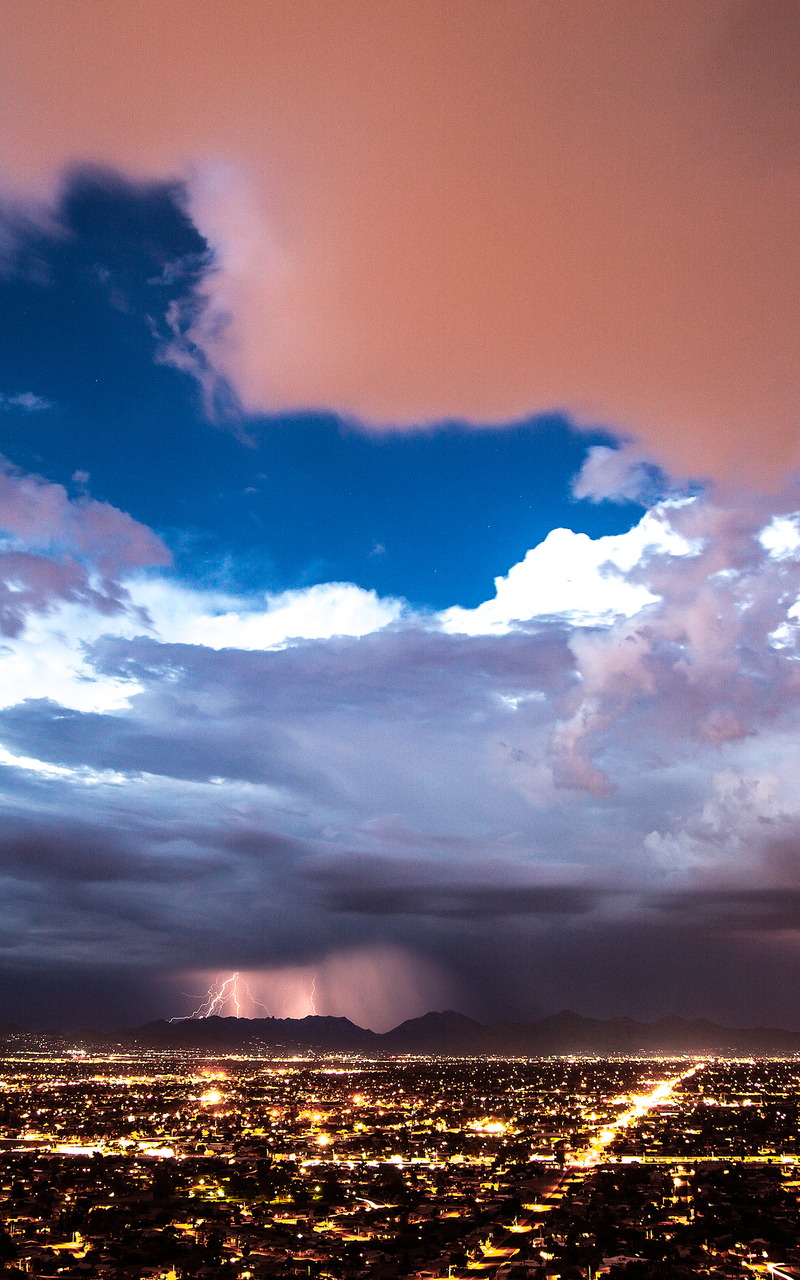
(335,1034)
(447,1034)
(453,1034)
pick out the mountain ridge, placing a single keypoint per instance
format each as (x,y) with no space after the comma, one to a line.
(450,1033)
(446,1033)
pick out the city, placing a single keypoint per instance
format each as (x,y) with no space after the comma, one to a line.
(144,1164)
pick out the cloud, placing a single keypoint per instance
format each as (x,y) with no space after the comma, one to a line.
(220,621)
(750,910)
(410,224)
(624,474)
(31,851)
(464,902)
(68,566)
(248,271)
(592,782)
(56,549)
(26,401)
(38,514)
(47,657)
(577,578)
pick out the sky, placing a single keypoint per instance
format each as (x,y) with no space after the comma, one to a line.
(399,509)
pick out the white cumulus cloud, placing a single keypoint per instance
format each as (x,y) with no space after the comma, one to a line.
(581,579)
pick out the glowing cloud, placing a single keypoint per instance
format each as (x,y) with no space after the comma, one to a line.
(424,212)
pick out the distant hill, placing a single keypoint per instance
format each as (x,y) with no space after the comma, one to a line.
(335,1034)
(447,1034)
(453,1034)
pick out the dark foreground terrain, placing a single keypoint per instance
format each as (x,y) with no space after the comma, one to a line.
(179,1164)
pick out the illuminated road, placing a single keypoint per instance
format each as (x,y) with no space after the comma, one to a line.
(505,1249)
(642,1103)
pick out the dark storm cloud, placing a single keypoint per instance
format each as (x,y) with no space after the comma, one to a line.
(647,969)
(258,809)
(382,886)
(125,884)
(33,850)
(749,909)
(251,843)
(463,902)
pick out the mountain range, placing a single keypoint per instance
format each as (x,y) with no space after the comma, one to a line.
(453,1034)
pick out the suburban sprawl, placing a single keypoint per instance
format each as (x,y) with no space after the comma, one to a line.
(177,1164)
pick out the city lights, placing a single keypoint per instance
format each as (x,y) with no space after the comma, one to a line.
(118,1166)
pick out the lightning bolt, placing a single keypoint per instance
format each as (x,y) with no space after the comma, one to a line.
(217,996)
(312,994)
(252,998)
